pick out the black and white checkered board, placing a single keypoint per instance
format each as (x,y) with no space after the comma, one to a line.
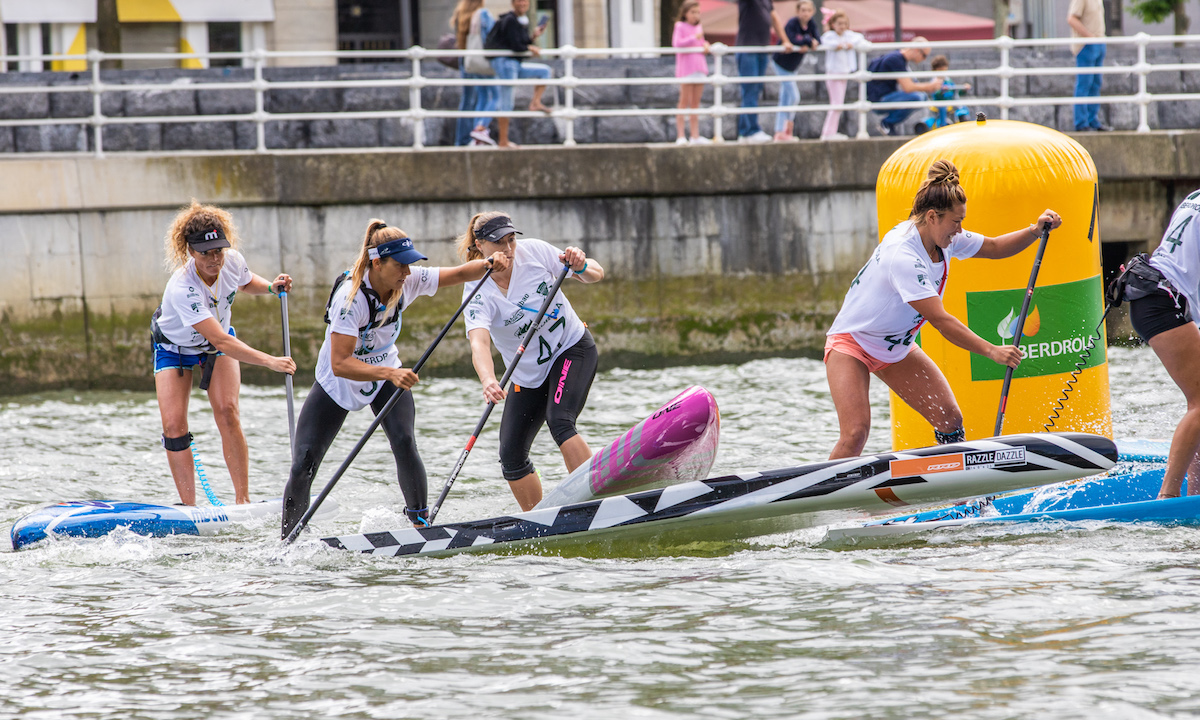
(873,483)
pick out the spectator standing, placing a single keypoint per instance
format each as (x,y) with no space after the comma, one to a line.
(841,58)
(756,18)
(804,33)
(1086,18)
(471,23)
(691,66)
(511,32)
(894,90)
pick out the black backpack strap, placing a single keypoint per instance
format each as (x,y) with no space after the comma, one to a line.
(374,304)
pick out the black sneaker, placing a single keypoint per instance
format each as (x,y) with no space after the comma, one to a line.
(1100,127)
(887,129)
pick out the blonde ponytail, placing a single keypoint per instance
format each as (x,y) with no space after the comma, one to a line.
(378,232)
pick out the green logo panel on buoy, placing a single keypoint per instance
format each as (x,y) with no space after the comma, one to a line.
(1060,324)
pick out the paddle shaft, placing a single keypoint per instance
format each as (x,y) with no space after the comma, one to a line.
(391,403)
(462,458)
(287,379)
(1008,374)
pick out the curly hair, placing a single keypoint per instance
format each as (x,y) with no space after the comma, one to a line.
(192,219)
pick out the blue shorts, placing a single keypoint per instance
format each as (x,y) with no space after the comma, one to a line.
(168,360)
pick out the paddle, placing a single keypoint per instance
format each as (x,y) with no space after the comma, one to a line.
(1008,374)
(391,403)
(287,379)
(462,459)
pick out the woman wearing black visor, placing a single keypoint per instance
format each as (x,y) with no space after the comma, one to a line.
(551,384)
(360,366)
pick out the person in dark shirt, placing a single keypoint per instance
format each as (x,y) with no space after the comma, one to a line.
(804,33)
(756,18)
(511,32)
(895,90)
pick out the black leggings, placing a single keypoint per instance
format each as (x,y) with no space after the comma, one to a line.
(557,402)
(320,420)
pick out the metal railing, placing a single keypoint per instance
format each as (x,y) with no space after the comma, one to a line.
(568,82)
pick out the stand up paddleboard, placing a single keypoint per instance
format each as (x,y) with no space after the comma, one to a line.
(760,503)
(96,518)
(1129,496)
(677,443)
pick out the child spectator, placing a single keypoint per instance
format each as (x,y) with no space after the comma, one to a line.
(841,58)
(944,115)
(689,66)
(804,34)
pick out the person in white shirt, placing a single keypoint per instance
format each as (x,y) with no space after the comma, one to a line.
(551,383)
(1163,295)
(895,293)
(359,364)
(841,58)
(194,326)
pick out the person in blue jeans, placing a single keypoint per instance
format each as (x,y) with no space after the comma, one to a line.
(472,21)
(511,32)
(1086,18)
(896,90)
(756,18)
(805,35)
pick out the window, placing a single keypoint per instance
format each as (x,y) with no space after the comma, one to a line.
(225,37)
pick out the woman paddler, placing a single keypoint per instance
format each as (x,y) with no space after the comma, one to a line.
(194,326)
(895,293)
(359,364)
(551,383)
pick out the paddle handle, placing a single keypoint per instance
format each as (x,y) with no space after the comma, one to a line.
(1017,335)
(287,379)
(391,403)
(462,459)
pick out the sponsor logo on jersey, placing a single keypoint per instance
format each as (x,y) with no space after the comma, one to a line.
(543,289)
(1057,329)
(913,467)
(516,317)
(988,459)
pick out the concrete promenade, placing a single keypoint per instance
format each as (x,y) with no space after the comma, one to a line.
(713,253)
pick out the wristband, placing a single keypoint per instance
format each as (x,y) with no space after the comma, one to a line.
(581,270)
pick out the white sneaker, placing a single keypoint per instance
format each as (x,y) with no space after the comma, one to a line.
(482,136)
(756,139)
(681,140)
(701,141)
(835,136)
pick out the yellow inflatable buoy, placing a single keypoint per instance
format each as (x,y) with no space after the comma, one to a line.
(1011,172)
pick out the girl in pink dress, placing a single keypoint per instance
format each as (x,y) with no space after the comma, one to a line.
(691,66)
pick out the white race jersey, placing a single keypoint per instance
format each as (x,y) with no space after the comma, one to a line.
(1178,256)
(876,312)
(375,345)
(187,301)
(509,316)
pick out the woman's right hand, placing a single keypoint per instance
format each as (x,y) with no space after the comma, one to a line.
(403,378)
(283,365)
(492,392)
(500,261)
(1005,355)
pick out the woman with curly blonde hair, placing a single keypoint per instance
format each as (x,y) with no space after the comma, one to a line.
(889,300)
(193,326)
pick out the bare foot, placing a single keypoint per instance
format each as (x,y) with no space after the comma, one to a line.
(510,145)
(539,107)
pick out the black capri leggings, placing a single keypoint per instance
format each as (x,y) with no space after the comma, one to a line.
(557,402)
(320,420)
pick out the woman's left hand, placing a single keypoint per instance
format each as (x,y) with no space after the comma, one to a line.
(500,261)
(1049,217)
(282,281)
(574,257)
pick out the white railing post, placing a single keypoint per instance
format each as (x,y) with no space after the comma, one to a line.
(718,83)
(94,57)
(1143,97)
(414,98)
(863,106)
(1006,72)
(568,55)
(260,105)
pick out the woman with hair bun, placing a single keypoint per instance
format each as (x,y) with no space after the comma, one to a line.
(895,293)
(359,364)
(194,326)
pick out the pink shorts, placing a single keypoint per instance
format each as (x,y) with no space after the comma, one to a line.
(845,344)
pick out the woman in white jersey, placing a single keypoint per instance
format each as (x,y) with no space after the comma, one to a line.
(359,364)
(551,384)
(896,292)
(193,326)
(1163,295)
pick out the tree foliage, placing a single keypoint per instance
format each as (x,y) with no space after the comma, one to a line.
(1153,11)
